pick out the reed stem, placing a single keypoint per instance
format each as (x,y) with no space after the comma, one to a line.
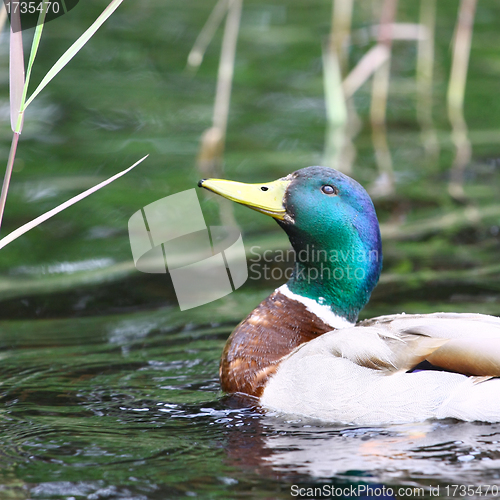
(341,31)
(226,67)
(195,57)
(342,121)
(213,139)
(425,67)
(380,91)
(8,174)
(456,95)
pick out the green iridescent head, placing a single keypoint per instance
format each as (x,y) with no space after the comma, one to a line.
(333,228)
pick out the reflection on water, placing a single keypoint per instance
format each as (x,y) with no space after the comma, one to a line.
(444,452)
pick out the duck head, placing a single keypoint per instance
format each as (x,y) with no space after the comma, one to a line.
(332,226)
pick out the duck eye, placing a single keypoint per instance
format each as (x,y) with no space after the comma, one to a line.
(331,190)
(264,188)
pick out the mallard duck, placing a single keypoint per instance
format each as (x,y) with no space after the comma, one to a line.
(300,351)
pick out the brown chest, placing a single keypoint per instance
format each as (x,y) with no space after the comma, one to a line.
(255,348)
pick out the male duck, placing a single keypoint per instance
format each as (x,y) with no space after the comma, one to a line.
(300,351)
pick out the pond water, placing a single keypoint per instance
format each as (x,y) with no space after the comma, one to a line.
(107,389)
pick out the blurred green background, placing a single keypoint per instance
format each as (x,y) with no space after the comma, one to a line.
(128,93)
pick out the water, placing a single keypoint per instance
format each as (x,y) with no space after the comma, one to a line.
(130,407)
(107,389)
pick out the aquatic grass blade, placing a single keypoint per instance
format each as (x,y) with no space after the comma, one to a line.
(34,49)
(47,215)
(16,69)
(74,49)
(18,89)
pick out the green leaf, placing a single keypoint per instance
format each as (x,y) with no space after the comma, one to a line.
(47,215)
(74,49)
(34,50)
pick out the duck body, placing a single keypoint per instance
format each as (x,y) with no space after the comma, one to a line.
(359,375)
(301,352)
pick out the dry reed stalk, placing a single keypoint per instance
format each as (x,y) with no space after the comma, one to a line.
(213,139)
(425,66)
(401,31)
(342,121)
(456,95)
(380,91)
(366,66)
(341,31)
(195,57)
(378,54)
(336,112)
(226,67)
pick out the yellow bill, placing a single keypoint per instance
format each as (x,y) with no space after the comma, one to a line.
(266,198)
